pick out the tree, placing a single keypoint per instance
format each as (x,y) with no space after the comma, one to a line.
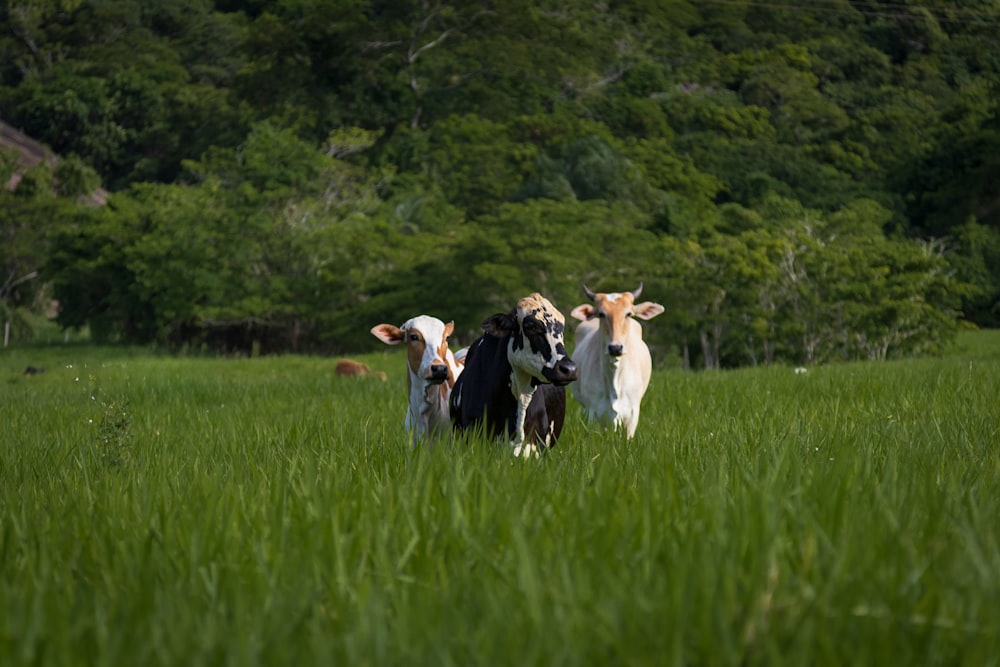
(473,161)
(230,261)
(91,279)
(976,261)
(32,202)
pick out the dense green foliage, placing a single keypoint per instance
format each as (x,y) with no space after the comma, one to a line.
(180,511)
(800,181)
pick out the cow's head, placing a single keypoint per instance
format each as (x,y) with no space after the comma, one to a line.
(614,310)
(426,341)
(536,348)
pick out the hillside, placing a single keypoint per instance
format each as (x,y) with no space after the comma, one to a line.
(31,153)
(800,181)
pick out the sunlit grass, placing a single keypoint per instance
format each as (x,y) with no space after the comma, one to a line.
(185,511)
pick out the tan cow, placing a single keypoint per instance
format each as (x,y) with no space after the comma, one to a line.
(431,373)
(614,362)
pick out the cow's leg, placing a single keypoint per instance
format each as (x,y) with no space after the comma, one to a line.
(522,445)
(537,423)
(631,420)
(624,415)
(523,390)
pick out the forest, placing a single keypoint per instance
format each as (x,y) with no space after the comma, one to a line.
(796,181)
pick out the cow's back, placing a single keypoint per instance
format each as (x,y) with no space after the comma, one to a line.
(349,368)
(482,391)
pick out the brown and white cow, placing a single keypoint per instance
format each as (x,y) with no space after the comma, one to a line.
(515,376)
(614,362)
(431,372)
(351,368)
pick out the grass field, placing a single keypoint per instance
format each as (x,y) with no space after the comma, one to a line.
(186,511)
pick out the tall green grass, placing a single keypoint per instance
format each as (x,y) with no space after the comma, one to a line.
(164,511)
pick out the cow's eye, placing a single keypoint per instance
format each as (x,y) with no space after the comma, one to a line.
(601,315)
(628,314)
(530,325)
(414,338)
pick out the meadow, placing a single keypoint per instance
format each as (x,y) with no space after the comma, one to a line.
(162,510)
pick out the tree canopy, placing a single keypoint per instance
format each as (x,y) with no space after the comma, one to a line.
(796,181)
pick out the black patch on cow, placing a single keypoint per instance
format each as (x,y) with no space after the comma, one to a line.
(482,392)
(538,325)
(500,325)
(535,332)
(540,346)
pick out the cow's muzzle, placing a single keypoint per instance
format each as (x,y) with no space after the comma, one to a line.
(562,373)
(439,373)
(616,349)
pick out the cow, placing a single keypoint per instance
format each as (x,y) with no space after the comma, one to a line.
(514,383)
(614,362)
(431,372)
(349,368)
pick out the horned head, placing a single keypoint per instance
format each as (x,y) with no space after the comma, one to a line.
(593,297)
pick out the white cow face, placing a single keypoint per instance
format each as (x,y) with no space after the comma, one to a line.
(536,348)
(426,341)
(615,311)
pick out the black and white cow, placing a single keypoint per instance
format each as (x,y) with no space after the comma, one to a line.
(515,374)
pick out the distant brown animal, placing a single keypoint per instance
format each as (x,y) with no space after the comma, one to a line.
(348,368)
(31,370)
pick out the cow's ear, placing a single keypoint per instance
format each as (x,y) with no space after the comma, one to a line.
(647,310)
(389,334)
(583,312)
(449,329)
(501,324)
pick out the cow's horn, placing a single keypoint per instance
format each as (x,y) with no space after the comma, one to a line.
(590,295)
(637,291)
